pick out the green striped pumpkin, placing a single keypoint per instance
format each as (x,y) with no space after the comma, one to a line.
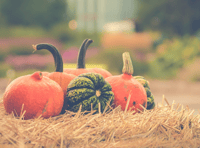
(150,97)
(88,88)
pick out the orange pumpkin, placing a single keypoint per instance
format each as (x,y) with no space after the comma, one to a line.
(125,84)
(45,73)
(63,79)
(81,63)
(38,95)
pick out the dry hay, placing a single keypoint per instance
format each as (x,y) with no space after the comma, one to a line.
(164,126)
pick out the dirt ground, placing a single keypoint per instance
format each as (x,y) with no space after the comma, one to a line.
(185,93)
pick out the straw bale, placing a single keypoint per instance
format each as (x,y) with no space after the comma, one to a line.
(164,126)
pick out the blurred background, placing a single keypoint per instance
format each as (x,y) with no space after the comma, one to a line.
(163,38)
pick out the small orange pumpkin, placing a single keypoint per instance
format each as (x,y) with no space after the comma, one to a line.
(63,79)
(81,63)
(38,95)
(125,84)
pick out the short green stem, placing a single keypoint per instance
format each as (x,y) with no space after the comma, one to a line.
(98,93)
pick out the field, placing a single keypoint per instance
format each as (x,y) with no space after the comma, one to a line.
(182,92)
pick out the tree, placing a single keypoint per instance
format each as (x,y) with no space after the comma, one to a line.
(170,16)
(44,13)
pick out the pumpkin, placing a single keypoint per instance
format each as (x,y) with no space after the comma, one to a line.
(45,73)
(150,97)
(1,103)
(88,88)
(81,63)
(58,76)
(38,95)
(125,86)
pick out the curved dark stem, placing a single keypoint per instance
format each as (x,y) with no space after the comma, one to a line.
(82,52)
(56,55)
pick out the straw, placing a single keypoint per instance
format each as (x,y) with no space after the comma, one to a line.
(167,125)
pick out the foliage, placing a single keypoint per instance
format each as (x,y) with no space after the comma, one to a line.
(29,62)
(3,69)
(2,19)
(43,13)
(196,78)
(170,16)
(62,32)
(173,55)
(21,31)
(23,50)
(2,55)
(113,59)
(18,51)
(86,35)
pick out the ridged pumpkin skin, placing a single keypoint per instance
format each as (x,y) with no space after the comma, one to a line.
(124,85)
(39,94)
(81,63)
(150,97)
(88,88)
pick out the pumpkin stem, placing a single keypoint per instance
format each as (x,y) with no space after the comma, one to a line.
(37,75)
(82,52)
(98,93)
(127,64)
(56,55)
